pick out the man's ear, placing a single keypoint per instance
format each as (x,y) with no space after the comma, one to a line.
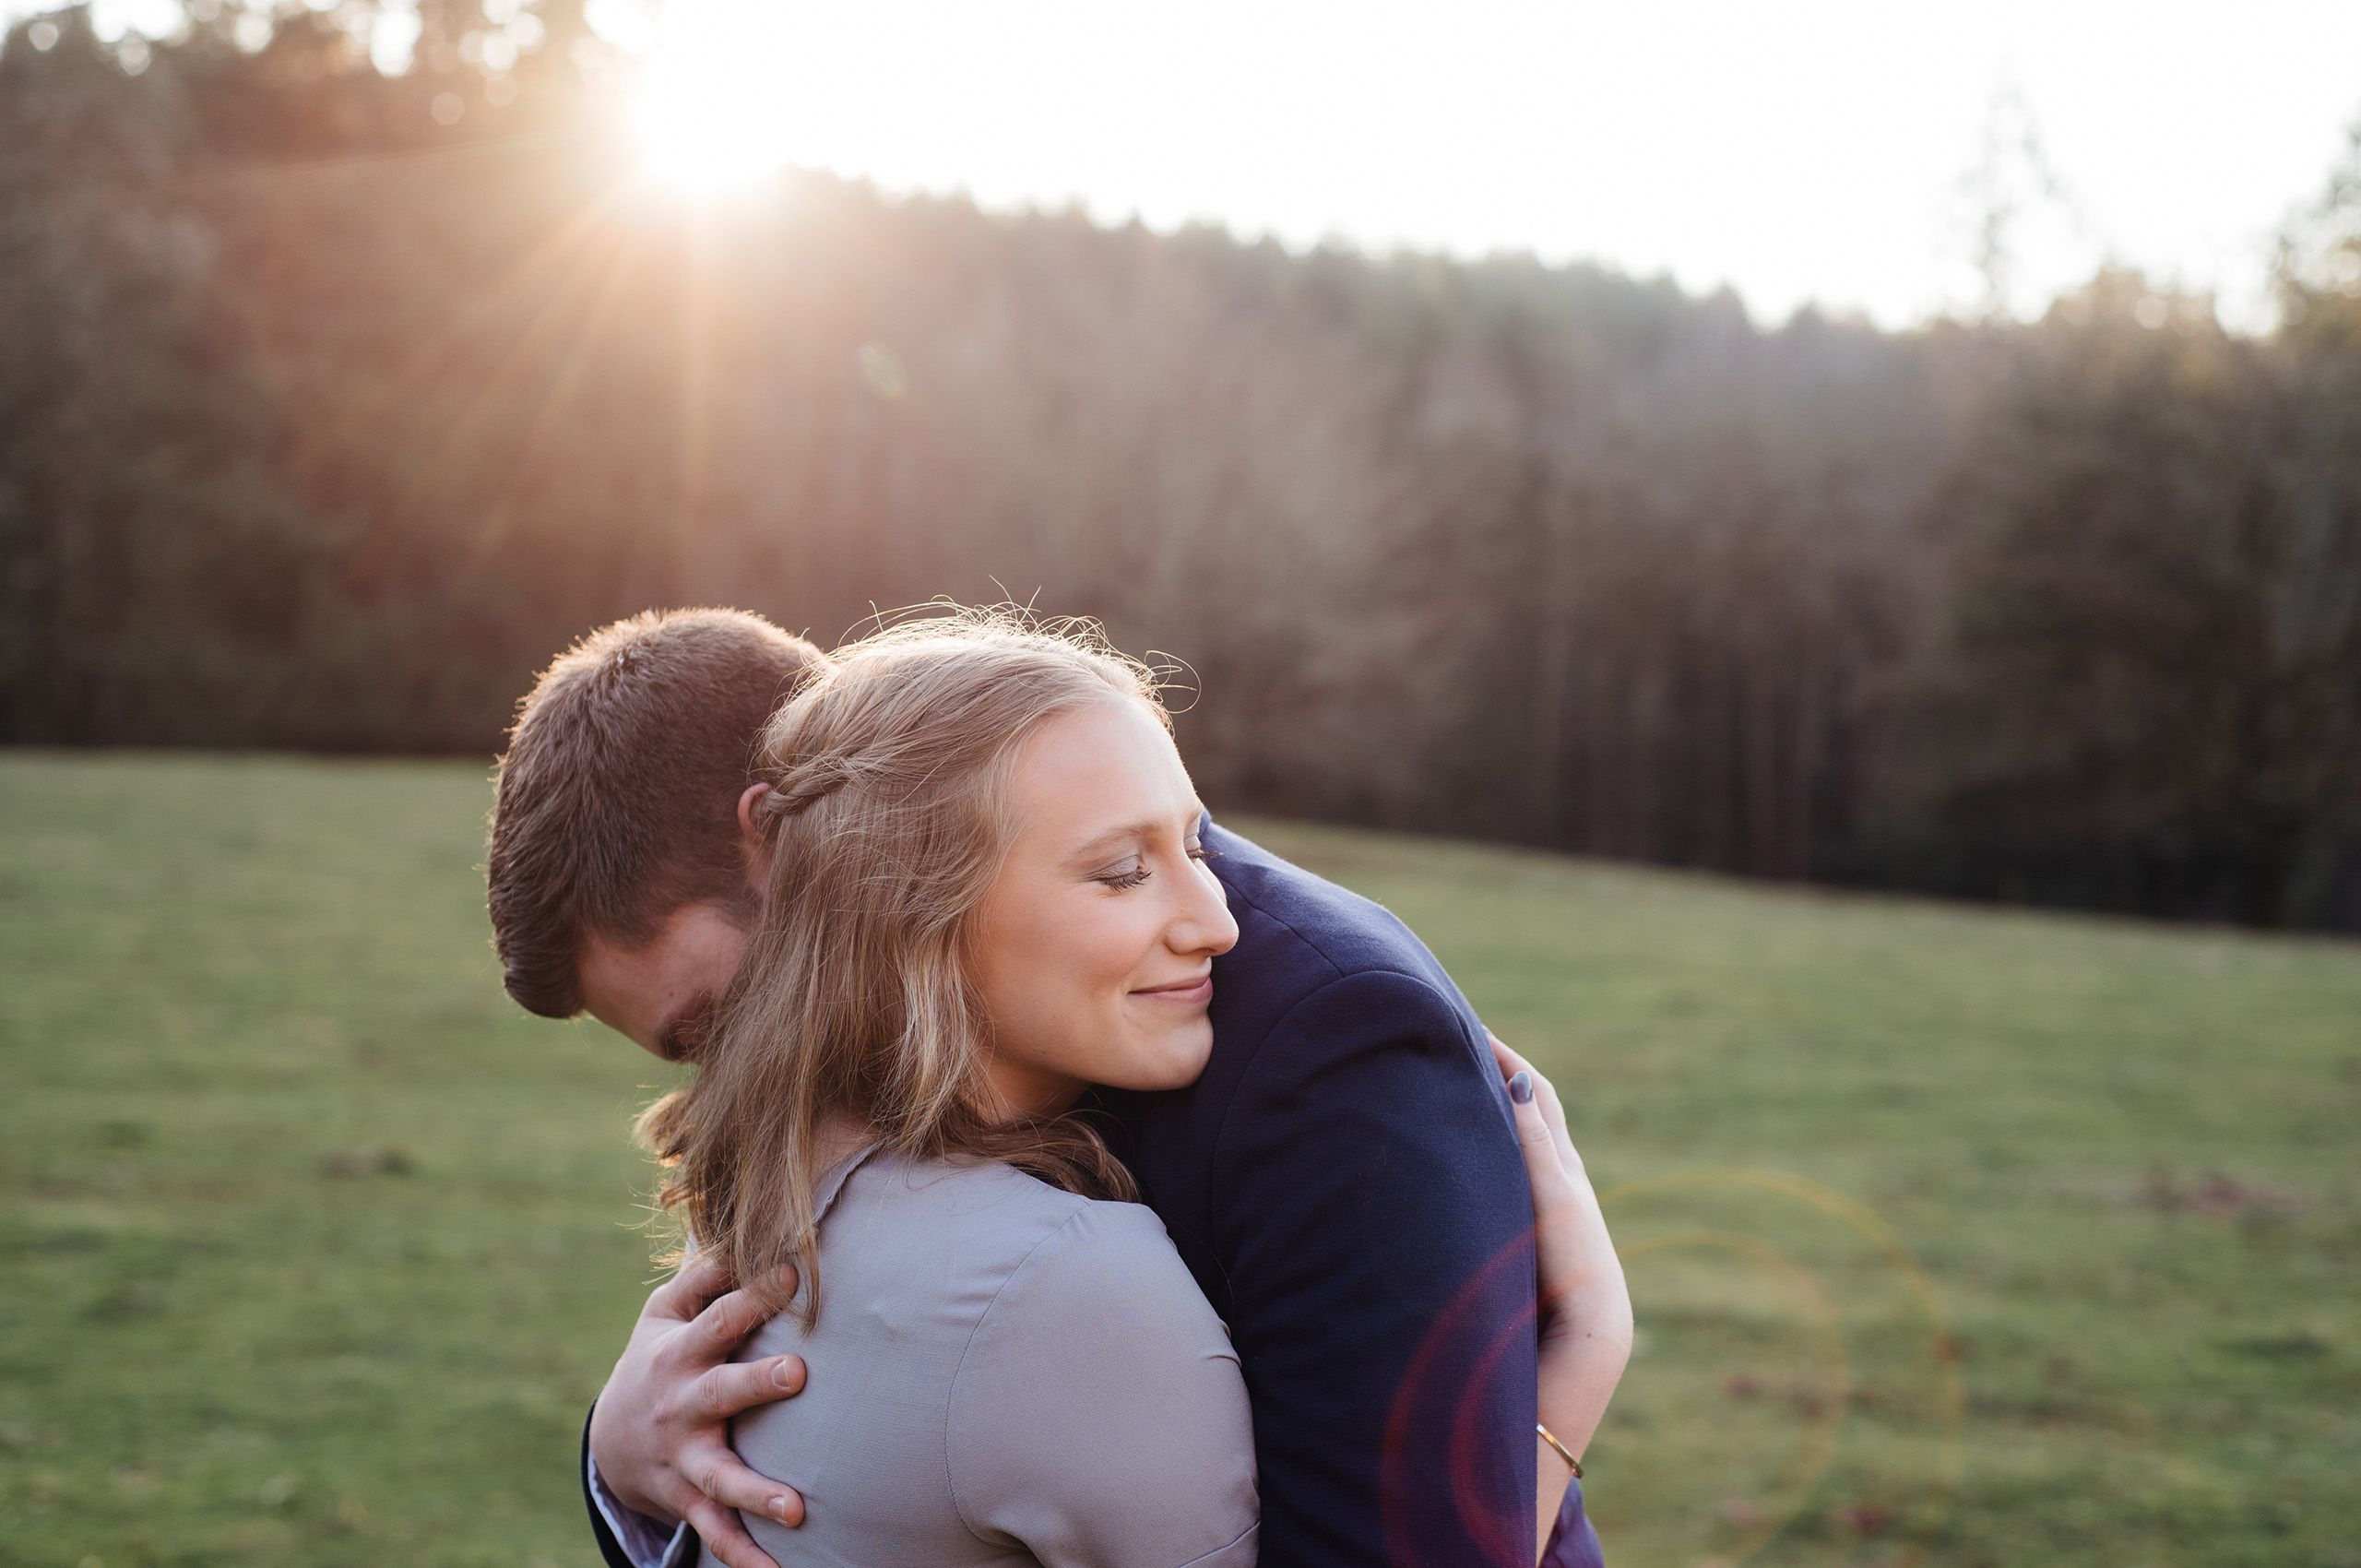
(752,845)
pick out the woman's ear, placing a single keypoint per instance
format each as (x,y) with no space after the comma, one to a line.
(755,849)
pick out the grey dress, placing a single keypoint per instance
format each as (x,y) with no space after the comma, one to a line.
(1003,1373)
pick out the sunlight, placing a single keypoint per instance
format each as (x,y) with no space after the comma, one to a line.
(1346,121)
(710,115)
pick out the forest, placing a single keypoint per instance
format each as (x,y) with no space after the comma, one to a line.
(334,400)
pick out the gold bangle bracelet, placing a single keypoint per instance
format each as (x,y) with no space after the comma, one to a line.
(1563,1453)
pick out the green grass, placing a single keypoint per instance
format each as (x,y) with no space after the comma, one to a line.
(1958,1236)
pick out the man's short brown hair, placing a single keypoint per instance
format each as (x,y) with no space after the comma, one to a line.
(617,801)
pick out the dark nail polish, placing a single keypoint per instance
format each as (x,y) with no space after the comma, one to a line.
(1521,1088)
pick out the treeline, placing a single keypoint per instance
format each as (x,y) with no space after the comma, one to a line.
(333,402)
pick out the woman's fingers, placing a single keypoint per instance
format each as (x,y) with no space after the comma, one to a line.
(1540,1100)
(1542,1166)
(1511,1064)
(1545,1094)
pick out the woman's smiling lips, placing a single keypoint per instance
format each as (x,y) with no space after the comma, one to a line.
(1189,993)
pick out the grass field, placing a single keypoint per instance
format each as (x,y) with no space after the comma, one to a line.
(1956,1236)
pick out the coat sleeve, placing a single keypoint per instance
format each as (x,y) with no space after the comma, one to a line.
(1098,1418)
(1372,1202)
(627,1539)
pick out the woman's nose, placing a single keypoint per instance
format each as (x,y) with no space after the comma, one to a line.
(1203,923)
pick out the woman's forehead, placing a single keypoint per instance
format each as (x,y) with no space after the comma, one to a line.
(1108,771)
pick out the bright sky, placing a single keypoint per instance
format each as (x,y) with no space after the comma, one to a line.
(1807,150)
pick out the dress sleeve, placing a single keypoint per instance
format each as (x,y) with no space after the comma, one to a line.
(1099,1416)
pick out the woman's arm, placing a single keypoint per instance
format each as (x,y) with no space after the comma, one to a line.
(1584,1306)
(1098,1415)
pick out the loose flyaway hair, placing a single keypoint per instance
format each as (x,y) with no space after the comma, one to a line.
(887,823)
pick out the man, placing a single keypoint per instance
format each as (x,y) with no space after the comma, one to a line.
(1343,1182)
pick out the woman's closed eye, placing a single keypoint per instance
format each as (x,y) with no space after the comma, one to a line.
(1134,871)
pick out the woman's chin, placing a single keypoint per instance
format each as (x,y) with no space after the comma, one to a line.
(1173,1062)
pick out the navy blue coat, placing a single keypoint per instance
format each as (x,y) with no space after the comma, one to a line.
(1344,1183)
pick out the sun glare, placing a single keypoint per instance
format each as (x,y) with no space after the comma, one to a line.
(710,115)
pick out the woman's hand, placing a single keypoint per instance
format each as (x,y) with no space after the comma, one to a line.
(1585,1309)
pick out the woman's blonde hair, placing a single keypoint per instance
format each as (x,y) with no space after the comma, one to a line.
(887,823)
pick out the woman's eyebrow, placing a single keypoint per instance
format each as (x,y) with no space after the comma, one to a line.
(1134,832)
(1114,838)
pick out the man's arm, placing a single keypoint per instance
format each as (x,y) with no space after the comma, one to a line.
(658,1441)
(1372,1208)
(628,1539)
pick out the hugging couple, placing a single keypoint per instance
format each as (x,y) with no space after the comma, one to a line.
(1066,1180)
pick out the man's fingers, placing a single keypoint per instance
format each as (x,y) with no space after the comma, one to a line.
(723,1326)
(726,1539)
(685,1294)
(726,1391)
(724,1479)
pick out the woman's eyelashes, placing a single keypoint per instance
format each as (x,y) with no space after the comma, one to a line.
(1135,871)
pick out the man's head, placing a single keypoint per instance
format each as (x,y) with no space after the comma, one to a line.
(618,874)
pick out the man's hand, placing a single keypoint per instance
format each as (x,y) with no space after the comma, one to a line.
(660,1431)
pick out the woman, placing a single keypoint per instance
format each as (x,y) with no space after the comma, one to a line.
(986,893)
